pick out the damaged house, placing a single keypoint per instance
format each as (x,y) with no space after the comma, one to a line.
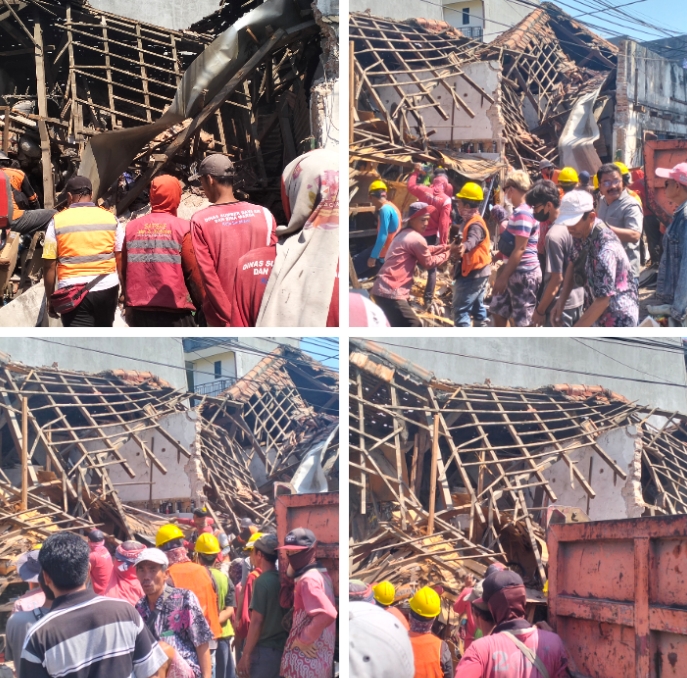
(120,100)
(547,88)
(119,450)
(446,478)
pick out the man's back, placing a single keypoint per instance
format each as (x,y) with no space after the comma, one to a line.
(222,234)
(497,656)
(196,578)
(88,636)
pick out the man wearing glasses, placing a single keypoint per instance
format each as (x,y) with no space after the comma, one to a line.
(621,212)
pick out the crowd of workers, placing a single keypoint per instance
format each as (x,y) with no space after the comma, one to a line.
(569,249)
(406,640)
(229,266)
(184,609)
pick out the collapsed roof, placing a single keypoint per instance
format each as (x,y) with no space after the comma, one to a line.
(119,449)
(503,457)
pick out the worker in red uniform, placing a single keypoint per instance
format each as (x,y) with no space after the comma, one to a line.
(437,231)
(101,562)
(27,217)
(223,233)
(152,277)
(432,654)
(514,648)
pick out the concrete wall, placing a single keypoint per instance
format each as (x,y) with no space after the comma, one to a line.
(204,368)
(181,471)
(174,14)
(500,15)
(99,354)
(399,9)
(556,356)
(651,96)
(615,498)
(460,127)
(453,14)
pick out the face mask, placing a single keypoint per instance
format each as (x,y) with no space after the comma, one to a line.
(541,215)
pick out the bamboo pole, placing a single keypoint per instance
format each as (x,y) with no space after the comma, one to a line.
(24,453)
(351,89)
(433,476)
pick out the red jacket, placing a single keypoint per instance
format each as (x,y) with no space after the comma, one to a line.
(101,567)
(440,221)
(222,234)
(252,273)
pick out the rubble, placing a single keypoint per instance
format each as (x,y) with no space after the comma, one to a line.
(446,478)
(121,450)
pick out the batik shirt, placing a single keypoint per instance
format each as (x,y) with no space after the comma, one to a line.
(609,274)
(180,623)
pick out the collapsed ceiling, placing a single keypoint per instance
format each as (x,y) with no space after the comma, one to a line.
(446,477)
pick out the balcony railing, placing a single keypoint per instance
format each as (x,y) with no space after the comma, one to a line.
(474,32)
(213,388)
(199,344)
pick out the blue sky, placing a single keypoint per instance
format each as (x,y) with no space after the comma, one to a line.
(670,15)
(323,349)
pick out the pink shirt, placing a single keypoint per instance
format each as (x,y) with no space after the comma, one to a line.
(463,606)
(408,249)
(101,567)
(497,656)
(440,221)
(31,600)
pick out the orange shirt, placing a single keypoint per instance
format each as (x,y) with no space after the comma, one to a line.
(196,578)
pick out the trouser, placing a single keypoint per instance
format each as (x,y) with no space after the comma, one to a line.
(265,662)
(139,317)
(96,310)
(652,230)
(568,318)
(431,272)
(468,298)
(32,221)
(224,660)
(398,312)
(362,270)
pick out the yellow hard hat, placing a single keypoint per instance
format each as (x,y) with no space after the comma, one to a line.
(384,592)
(250,544)
(471,191)
(168,533)
(596,182)
(623,168)
(426,603)
(207,543)
(378,185)
(568,175)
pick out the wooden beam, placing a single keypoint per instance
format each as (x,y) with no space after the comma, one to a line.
(433,476)
(24,453)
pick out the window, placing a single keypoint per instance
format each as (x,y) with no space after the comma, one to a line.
(218,369)
(466,16)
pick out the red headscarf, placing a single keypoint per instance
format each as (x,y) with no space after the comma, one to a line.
(165,194)
(124,583)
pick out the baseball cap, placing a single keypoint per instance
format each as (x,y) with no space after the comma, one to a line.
(246,523)
(419,209)
(379,646)
(28,566)
(129,551)
(546,164)
(201,512)
(678,173)
(585,177)
(266,544)
(153,556)
(78,184)
(215,165)
(496,581)
(574,206)
(299,539)
(96,536)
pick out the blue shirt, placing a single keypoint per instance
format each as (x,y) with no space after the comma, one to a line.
(388,223)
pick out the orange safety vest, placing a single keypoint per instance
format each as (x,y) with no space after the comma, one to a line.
(636,196)
(481,255)
(391,236)
(195,578)
(85,242)
(427,654)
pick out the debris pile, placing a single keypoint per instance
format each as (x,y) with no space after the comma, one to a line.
(447,478)
(121,450)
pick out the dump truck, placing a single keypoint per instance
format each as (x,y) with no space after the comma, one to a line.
(618,596)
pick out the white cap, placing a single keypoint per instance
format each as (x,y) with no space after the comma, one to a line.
(153,556)
(379,645)
(574,206)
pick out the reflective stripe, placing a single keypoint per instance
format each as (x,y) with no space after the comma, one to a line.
(154,258)
(153,242)
(77,228)
(86,259)
(268,220)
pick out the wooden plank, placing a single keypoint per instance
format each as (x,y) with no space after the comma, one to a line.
(433,476)
(46,160)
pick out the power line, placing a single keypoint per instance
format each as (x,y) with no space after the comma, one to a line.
(537,367)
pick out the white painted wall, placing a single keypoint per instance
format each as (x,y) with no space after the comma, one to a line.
(175,14)
(176,483)
(615,498)
(495,16)
(204,368)
(485,125)
(399,9)
(453,13)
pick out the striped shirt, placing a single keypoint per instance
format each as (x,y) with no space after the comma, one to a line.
(90,636)
(523,224)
